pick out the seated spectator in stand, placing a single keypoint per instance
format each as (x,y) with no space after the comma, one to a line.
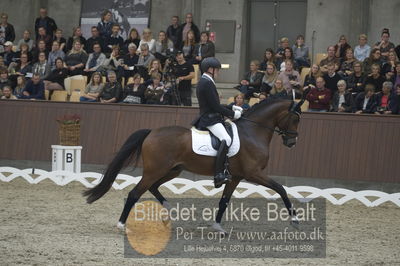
(396,78)
(342,100)
(105,24)
(251,82)
(145,59)
(34,89)
(114,39)
(185,27)
(41,67)
(291,78)
(184,73)
(331,79)
(112,90)
(93,89)
(154,68)
(134,38)
(95,60)
(375,78)
(365,102)
(301,52)
(8,55)
(330,59)
(147,38)
(346,68)
(24,49)
(188,47)
(284,43)
(95,38)
(55,80)
(341,47)
(76,36)
(43,36)
(26,39)
(278,90)
(44,21)
(238,100)
(384,45)
(374,58)
(269,78)
(6,29)
(310,79)
(356,80)
(389,67)
(269,58)
(205,48)
(386,100)
(114,63)
(37,50)
(130,61)
(155,91)
(23,67)
(76,59)
(134,92)
(21,83)
(287,55)
(7,94)
(61,40)
(362,50)
(4,81)
(173,32)
(55,53)
(319,97)
(163,47)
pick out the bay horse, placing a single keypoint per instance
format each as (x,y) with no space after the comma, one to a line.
(167,151)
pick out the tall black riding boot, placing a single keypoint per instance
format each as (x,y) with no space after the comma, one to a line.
(220,177)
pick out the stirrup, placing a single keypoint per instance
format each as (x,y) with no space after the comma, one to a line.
(220,179)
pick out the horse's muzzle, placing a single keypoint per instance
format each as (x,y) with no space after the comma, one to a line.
(289,142)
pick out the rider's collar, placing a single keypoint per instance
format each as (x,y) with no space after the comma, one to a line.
(208,76)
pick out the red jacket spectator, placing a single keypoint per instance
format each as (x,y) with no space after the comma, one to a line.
(319,97)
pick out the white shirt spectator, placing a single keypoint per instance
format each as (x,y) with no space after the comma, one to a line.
(360,53)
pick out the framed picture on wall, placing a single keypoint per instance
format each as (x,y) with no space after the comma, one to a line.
(128,13)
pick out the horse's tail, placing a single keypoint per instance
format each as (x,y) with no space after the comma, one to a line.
(130,151)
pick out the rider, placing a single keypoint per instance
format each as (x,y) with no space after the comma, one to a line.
(212,115)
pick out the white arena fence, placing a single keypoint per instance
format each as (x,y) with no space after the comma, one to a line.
(337,196)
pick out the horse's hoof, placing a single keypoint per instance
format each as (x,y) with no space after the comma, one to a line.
(121,226)
(218,227)
(295,222)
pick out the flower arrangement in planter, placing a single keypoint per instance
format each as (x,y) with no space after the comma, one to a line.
(69,129)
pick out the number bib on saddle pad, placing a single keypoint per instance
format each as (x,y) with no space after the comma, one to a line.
(201,142)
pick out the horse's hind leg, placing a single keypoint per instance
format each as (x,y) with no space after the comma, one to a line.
(154,188)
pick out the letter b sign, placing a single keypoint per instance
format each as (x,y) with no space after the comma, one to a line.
(69,157)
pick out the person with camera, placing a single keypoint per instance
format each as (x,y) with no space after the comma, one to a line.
(212,116)
(184,73)
(386,100)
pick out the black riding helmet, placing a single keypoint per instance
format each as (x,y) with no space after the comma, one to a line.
(210,62)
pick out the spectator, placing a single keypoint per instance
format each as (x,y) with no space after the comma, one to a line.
(61,40)
(7,33)
(114,39)
(341,47)
(34,89)
(21,83)
(134,92)
(284,43)
(310,79)
(8,55)
(356,80)
(346,68)
(300,52)
(365,101)
(114,63)
(76,35)
(21,68)
(287,55)
(185,27)
(173,32)
(238,100)
(386,100)
(130,61)
(375,78)
(163,46)
(269,78)
(251,82)
(147,39)
(76,59)
(144,59)
(26,39)
(374,58)
(269,58)
(95,38)
(4,81)
(330,59)
(396,78)
(95,60)
(55,80)
(44,21)
(184,72)
(331,79)
(319,97)
(43,36)
(105,24)
(278,90)
(41,48)
(93,89)
(41,67)
(362,50)
(397,50)
(205,48)
(188,47)
(385,45)
(154,68)
(291,78)
(134,38)
(55,53)
(7,94)
(342,100)
(155,91)
(24,49)
(112,90)
(389,67)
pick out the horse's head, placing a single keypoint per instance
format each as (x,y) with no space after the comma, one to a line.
(289,123)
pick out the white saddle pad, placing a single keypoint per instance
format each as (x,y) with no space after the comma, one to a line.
(201,142)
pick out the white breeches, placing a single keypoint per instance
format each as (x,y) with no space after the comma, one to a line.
(219,131)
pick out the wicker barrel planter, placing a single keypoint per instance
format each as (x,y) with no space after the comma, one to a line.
(69,134)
